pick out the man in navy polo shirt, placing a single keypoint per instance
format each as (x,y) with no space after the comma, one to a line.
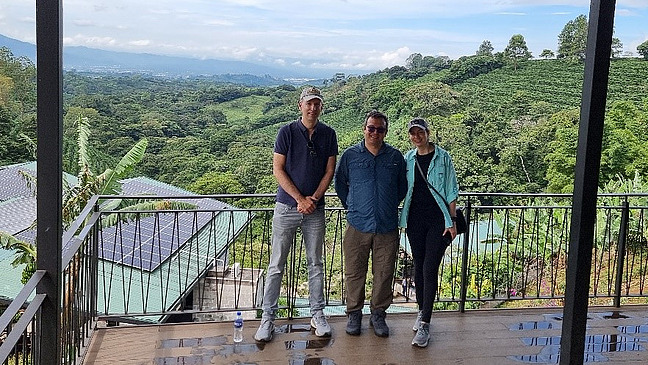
(303,164)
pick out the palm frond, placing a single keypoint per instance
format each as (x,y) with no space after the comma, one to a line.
(26,252)
(111,178)
(83,130)
(7,240)
(30,181)
(148,205)
(76,199)
(31,145)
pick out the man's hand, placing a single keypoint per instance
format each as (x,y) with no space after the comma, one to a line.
(307,205)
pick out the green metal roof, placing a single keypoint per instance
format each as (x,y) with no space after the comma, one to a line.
(133,290)
(10,276)
(182,269)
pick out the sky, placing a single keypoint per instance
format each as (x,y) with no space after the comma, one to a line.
(351,36)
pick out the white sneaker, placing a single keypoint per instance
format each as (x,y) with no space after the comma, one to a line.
(320,324)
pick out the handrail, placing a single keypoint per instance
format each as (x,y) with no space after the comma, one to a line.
(77,241)
(69,233)
(495,263)
(623,233)
(21,326)
(21,298)
(14,307)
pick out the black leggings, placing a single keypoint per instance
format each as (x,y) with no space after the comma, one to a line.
(428,247)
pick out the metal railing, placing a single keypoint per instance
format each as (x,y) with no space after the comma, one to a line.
(201,264)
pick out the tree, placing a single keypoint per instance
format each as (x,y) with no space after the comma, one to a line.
(217,183)
(485,49)
(471,66)
(547,53)
(25,254)
(624,148)
(76,197)
(642,49)
(17,107)
(572,40)
(562,158)
(517,50)
(431,98)
(436,63)
(617,47)
(414,61)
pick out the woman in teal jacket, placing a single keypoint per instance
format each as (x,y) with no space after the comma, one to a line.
(429,221)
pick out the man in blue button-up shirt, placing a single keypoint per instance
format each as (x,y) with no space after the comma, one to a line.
(370,181)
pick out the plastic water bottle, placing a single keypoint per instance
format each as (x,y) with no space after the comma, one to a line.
(238,328)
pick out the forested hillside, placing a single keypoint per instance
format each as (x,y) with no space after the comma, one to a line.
(509,126)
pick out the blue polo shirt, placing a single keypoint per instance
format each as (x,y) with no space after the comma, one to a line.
(371,187)
(305,165)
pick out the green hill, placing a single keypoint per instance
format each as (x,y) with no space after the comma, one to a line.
(508,128)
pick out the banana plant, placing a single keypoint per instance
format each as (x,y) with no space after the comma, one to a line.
(88,184)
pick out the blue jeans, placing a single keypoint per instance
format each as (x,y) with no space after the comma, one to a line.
(285,222)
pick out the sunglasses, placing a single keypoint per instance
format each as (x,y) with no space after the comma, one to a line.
(311,149)
(373,129)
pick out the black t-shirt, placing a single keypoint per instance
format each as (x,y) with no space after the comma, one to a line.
(423,203)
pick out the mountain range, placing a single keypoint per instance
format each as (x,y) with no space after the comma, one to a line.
(84,59)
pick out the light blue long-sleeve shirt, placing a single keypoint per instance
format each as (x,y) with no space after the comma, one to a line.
(371,187)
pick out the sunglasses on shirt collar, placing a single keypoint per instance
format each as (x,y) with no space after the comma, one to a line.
(311,149)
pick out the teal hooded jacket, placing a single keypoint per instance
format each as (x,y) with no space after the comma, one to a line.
(441,174)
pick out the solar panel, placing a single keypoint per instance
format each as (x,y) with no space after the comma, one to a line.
(18,201)
(144,244)
(17,214)
(150,241)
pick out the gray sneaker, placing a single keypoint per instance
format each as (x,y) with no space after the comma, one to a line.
(320,324)
(419,316)
(354,324)
(422,336)
(265,331)
(377,320)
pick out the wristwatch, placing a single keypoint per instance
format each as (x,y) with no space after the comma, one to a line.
(454,219)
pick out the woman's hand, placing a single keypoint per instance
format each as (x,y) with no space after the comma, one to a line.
(452,231)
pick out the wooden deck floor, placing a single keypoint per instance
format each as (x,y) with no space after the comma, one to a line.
(529,336)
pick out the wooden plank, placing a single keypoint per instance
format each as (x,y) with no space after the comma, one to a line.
(475,337)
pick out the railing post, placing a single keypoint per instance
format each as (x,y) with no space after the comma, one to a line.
(49,174)
(464,260)
(586,177)
(623,234)
(94,270)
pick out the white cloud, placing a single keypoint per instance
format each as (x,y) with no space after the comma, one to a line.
(83,23)
(141,42)
(89,41)
(219,22)
(353,34)
(626,12)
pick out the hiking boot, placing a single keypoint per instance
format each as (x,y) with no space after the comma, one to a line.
(419,316)
(320,324)
(377,320)
(265,331)
(354,323)
(422,336)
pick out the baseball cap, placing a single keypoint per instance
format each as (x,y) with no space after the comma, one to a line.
(311,93)
(417,122)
